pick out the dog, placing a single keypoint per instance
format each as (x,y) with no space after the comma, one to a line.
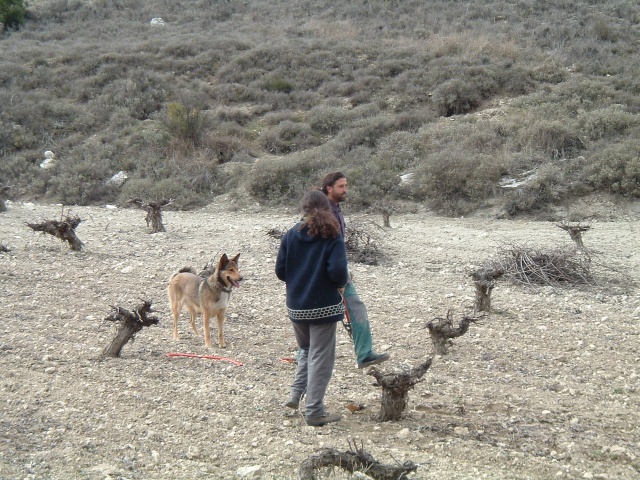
(207,293)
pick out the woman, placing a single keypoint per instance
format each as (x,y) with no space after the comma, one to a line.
(312,260)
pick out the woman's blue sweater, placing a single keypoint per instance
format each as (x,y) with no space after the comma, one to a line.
(313,269)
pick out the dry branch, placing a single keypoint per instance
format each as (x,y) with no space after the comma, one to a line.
(130,323)
(154,212)
(354,460)
(395,389)
(442,331)
(65,230)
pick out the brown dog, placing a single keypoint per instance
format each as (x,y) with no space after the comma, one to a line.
(208,293)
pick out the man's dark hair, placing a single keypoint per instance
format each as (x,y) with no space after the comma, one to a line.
(331,178)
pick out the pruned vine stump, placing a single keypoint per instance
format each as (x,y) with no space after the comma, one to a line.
(386,209)
(485,281)
(129,323)
(154,213)
(575,231)
(386,218)
(3,197)
(64,229)
(395,389)
(354,460)
(442,331)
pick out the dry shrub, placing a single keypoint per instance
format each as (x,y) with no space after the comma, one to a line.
(471,47)
(336,31)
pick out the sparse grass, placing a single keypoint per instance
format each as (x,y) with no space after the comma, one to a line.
(177,99)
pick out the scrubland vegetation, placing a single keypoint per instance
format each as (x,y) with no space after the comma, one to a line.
(438,102)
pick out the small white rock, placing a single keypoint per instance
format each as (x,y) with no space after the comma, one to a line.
(252,471)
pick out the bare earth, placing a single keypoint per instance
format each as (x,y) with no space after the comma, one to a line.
(545,387)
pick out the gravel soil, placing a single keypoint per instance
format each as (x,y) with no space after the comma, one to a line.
(545,386)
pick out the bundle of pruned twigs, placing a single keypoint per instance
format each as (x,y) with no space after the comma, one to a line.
(362,245)
(536,266)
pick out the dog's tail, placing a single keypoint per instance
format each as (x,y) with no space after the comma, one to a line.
(185,270)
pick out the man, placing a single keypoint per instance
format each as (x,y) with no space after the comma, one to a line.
(334,186)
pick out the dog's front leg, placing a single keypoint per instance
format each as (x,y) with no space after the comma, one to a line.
(220,317)
(206,316)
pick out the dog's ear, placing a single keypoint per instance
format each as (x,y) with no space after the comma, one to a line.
(223,261)
(235,259)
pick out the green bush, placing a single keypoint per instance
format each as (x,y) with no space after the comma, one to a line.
(287,137)
(616,169)
(607,122)
(284,180)
(329,120)
(454,182)
(544,189)
(12,13)
(555,138)
(187,124)
(397,152)
(454,97)
(81,181)
(365,132)
(18,170)
(278,84)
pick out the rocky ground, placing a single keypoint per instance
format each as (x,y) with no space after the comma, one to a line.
(544,387)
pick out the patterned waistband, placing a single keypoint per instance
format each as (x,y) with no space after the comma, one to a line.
(316,313)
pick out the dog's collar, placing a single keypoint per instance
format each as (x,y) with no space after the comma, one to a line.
(223,286)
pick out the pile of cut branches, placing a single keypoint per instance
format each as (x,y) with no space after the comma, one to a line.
(362,246)
(536,266)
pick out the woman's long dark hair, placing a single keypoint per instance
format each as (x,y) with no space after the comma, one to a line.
(318,216)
